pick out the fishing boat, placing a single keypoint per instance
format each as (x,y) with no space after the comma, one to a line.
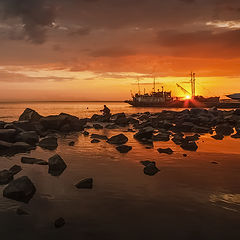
(164,99)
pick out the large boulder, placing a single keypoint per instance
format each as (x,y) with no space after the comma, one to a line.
(30,115)
(21,189)
(5,177)
(30,137)
(8,135)
(49,143)
(118,139)
(56,165)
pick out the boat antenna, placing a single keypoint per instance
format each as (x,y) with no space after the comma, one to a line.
(139,92)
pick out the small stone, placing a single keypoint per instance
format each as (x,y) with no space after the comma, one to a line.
(124,148)
(95,141)
(15,169)
(21,212)
(28,160)
(190,146)
(85,183)
(86,133)
(49,143)
(165,150)
(218,137)
(56,165)
(185,155)
(118,139)
(151,169)
(72,143)
(60,222)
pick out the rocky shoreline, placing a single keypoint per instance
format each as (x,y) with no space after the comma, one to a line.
(184,128)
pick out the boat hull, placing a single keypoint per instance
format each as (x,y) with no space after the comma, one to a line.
(185,104)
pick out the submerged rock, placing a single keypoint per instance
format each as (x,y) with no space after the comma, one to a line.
(95,141)
(15,169)
(118,139)
(98,136)
(49,143)
(21,189)
(124,148)
(190,146)
(165,150)
(5,177)
(60,222)
(21,211)
(29,160)
(56,165)
(85,183)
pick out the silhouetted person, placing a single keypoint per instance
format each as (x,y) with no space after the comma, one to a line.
(106,110)
(106,114)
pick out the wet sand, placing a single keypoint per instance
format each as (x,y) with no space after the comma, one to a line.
(189,198)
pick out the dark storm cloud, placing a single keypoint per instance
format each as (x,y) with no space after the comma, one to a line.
(35,15)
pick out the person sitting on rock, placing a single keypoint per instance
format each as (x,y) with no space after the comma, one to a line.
(106,111)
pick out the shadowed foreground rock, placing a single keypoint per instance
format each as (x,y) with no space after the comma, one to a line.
(124,148)
(5,177)
(118,139)
(49,143)
(60,222)
(85,183)
(56,165)
(28,160)
(15,169)
(21,189)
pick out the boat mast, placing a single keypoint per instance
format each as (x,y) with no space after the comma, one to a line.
(154,84)
(139,92)
(193,81)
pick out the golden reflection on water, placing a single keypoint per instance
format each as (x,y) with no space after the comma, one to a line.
(225,197)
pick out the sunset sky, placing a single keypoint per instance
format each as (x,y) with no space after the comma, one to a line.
(97,49)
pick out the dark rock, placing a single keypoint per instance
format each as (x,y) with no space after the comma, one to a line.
(214,162)
(28,160)
(7,135)
(95,141)
(60,222)
(15,169)
(85,133)
(161,137)
(218,137)
(190,146)
(21,189)
(124,148)
(145,163)
(20,147)
(120,119)
(224,129)
(30,137)
(98,136)
(144,133)
(72,143)
(165,150)
(200,129)
(195,137)
(111,126)
(151,169)
(56,165)
(85,183)
(5,177)
(185,155)
(118,139)
(30,115)
(237,135)
(49,143)
(97,126)
(21,212)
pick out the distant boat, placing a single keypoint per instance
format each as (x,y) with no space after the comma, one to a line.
(164,99)
(235,96)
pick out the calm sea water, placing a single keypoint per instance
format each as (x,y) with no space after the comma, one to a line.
(190,198)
